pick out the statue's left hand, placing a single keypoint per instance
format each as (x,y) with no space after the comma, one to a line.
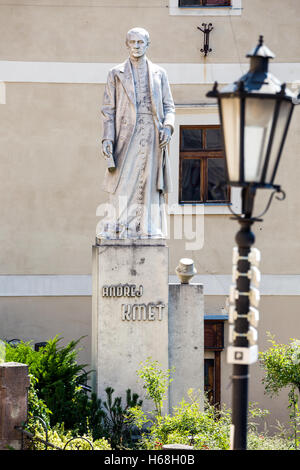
(164,136)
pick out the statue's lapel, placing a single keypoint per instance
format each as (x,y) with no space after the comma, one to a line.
(126,77)
(153,92)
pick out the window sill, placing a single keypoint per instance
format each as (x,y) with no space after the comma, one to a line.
(201,209)
(207,6)
(233,10)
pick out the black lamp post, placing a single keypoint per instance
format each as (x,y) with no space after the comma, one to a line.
(255,113)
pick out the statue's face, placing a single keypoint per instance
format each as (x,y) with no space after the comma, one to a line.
(137,45)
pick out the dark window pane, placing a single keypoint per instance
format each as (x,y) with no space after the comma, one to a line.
(188,3)
(213,139)
(216,2)
(190,180)
(191,139)
(216,179)
(211,3)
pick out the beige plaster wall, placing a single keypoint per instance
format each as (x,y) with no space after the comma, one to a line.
(50,177)
(50,166)
(38,319)
(50,188)
(85,30)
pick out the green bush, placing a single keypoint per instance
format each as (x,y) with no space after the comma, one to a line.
(264,442)
(60,438)
(57,397)
(36,406)
(189,424)
(281,363)
(155,381)
(118,421)
(57,381)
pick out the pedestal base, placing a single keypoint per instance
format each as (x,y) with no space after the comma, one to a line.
(130,314)
(186,341)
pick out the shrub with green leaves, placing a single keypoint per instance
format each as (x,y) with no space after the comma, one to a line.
(36,406)
(155,381)
(60,439)
(281,363)
(118,421)
(189,424)
(58,378)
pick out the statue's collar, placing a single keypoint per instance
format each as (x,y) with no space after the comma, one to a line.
(126,66)
(139,64)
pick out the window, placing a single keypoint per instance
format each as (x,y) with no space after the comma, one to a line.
(204,3)
(202,165)
(213,346)
(205,7)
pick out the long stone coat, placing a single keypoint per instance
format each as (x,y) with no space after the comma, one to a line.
(119,118)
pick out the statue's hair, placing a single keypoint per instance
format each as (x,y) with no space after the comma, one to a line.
(141,31)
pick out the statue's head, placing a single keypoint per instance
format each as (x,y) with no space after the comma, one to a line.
(137,42)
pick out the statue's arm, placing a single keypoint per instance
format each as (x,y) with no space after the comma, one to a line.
(108,110)
(108,117)
(169,112)
(168,103)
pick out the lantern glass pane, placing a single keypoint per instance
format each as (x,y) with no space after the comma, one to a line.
(284,112)
(231,123)
(258,123)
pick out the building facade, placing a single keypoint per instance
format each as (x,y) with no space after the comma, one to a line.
(54,59)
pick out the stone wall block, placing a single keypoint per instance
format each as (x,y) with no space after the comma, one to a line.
(186,340)
(14,384)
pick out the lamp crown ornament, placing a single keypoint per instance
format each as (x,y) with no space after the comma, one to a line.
(261,50)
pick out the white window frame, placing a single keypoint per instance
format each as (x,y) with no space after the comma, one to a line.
(234,10)
(196,115)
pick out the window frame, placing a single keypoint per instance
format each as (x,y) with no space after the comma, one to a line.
(213,347)
(198,114)
(203,156)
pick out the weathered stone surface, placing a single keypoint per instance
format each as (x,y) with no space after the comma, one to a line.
(14,383)
(186,340)
(130,314)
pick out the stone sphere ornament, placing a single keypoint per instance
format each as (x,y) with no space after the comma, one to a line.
(185,270)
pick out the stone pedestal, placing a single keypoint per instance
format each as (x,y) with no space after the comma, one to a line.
(130,313)
(186,340)
(14,384)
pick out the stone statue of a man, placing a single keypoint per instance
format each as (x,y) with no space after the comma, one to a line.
(138,121)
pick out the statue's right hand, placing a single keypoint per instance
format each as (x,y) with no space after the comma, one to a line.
(107,148)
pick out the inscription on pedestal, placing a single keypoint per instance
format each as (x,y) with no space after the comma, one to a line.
(134,312)
(130,314)
(122,290)
(142,312)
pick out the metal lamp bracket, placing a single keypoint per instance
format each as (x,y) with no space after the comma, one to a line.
(207,28)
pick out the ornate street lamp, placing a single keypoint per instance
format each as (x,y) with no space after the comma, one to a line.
(255,113)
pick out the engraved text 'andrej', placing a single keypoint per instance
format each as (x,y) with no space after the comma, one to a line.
(134,312)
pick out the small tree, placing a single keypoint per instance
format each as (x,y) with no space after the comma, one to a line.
(155,381)
(281,363)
